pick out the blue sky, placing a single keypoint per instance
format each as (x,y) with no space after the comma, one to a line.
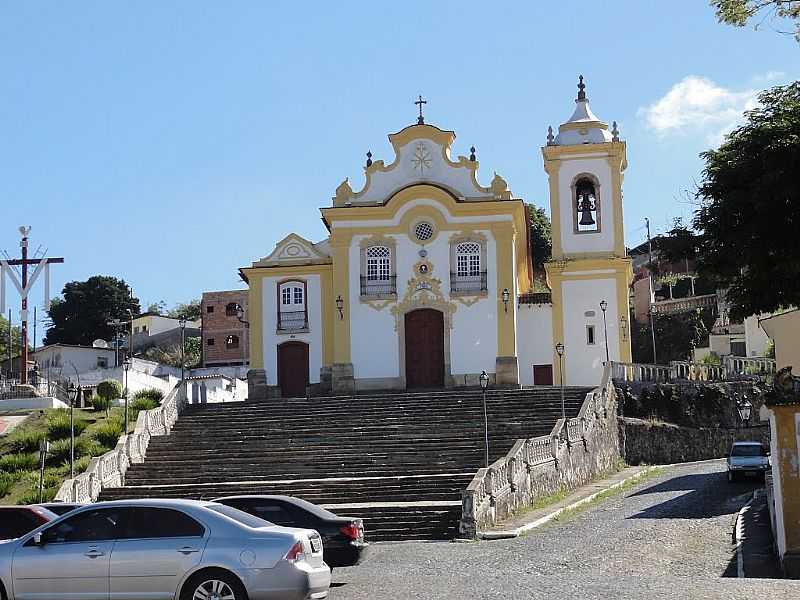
(170,143)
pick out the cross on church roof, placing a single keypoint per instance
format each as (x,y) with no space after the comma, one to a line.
(581,88)
(420,102)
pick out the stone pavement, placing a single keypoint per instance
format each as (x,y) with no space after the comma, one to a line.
(668,537)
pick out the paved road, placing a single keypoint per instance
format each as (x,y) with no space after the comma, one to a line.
(669,537)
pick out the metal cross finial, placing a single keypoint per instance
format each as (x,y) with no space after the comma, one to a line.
(420,102)
(581,88)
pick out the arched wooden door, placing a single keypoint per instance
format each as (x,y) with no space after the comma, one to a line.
(293,369)
(424,348)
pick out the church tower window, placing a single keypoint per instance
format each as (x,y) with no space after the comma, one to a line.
(587,205)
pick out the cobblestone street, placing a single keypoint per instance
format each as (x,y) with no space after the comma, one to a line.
(669,537)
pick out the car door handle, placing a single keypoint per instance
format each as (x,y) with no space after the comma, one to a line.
(94,553)
(188,550)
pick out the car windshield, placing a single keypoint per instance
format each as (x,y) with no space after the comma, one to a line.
(239,516)
(748,450)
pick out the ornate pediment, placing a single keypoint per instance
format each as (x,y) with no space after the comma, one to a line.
(296,250)
(422,155)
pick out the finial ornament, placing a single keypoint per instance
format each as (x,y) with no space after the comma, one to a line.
(369,158)
(420,102)
(472,154)
(581,88)
(614,132)
(551,140)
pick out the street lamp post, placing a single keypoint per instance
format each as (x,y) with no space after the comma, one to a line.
(484,380)
(560,351)
(604,308)
(73,398)
(126,365)
(182,323)
(745,408)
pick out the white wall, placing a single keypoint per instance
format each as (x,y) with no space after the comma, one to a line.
(756,339)
(534,339)
(375,349)
(272,339)
(584,363)
(572,242)
(63,357)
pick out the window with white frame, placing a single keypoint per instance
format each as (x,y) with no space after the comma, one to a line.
(467,275)
(377,271)
(379,263)
(292,310)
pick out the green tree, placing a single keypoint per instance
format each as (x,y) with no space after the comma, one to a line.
(676,335)
(740,12)
(171,355)
(187,310)
(749,211)
(541,241)
(15,339)
(82,314)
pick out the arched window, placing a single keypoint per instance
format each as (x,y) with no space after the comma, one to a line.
(231,308)
(231,342)
(292,306)
(468,259)
(379,263)
(587,206)
(467,272)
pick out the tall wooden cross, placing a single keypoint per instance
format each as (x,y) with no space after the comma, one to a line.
(420,102)
(24,287)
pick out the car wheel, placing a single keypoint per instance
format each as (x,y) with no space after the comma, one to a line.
(213,585)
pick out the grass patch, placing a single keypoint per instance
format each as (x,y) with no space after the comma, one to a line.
(646,475)
(95,434)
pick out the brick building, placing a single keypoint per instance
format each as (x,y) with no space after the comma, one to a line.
(224,335)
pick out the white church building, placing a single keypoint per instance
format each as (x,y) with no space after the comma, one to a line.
(426,278)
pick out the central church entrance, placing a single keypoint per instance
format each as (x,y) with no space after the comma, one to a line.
(424,335)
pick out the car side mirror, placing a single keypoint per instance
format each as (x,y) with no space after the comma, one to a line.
(38,540)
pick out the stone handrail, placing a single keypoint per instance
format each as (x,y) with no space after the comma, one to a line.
(732,368)
(493,491)
(109,469)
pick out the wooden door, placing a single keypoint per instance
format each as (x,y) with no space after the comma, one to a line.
(293,369)
(424,348)
(542,374)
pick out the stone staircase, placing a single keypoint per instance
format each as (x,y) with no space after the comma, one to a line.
(399,461)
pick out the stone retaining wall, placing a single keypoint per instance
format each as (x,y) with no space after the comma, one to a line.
(654,442)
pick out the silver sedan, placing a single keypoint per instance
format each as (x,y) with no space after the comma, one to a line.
(163,550)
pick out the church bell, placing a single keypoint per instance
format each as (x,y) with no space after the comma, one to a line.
(586,212)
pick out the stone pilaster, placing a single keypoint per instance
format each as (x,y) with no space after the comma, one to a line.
(342,381)
(257,388)
(506,370)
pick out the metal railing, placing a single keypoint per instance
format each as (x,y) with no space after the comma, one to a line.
(378,287)
(465,284)
(292,320)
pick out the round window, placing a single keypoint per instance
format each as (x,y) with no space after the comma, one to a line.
(423,231)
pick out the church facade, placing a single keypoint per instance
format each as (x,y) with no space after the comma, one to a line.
(426,278)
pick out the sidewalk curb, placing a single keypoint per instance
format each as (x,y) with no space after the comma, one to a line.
(513,533)
(738,534)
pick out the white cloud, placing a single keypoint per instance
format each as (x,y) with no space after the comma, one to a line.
(697,105)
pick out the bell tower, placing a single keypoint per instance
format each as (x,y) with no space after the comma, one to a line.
(589,273)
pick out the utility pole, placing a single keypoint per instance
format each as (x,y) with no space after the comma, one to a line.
(652,296)
(24,288)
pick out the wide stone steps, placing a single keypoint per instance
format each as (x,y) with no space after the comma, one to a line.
(399,461)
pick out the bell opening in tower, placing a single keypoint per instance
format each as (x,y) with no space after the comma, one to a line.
(587,218)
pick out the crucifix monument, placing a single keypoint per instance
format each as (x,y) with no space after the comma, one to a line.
(24,286)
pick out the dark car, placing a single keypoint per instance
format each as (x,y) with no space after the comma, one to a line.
(60,508)
(342,537)
(16,521)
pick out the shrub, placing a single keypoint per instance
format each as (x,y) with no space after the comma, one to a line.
(7,481)
(108,433)
(139,404)
(32,495)
(99,403)
(81,464)
(59,451)
(152,394)
(58,425)
(26,440)
(19,462)
(109,389)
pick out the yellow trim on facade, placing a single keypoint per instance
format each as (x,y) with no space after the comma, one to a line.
(340,247)
(506,334)
(256,316)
